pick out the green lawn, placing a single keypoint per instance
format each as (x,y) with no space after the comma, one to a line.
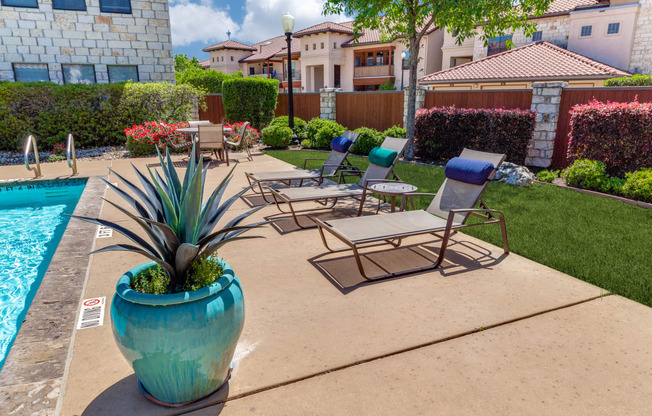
(598,240)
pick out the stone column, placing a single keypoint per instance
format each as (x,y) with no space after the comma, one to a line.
(546,97)
(327,103)
(194,111)
(421,99)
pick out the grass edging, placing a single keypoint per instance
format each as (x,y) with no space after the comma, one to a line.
(629,201)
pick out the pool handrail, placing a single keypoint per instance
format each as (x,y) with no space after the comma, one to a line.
(70,154)
(37,166)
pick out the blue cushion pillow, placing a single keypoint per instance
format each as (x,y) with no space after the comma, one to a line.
(382,157)
(341,144)
(468,170)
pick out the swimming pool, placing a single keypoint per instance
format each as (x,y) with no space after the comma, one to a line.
(31,226)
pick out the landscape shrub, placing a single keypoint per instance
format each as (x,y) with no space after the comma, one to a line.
(638,185)
(638,80)
(313,127)
(586,174)
(208,80)
(277,136)
(618,134)
(368,139)
(326,134)
(442,133)
(251,135)
(300,126)
(142,139)
(306,144)
(394,131)
(95,114)
(388,86)
(547,175)
(251,99)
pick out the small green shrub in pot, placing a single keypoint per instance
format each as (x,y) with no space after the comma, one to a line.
(638,185)
(277,137)
(586,174)
(327,133)
(300,126)
(547,175)
(368,139)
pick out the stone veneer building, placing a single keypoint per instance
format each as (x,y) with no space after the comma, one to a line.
(85,41)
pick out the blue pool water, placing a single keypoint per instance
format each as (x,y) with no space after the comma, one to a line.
(31,226)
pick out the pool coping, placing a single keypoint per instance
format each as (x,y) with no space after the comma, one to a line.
(33,377)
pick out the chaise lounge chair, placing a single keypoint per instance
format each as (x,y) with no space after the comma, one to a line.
(336,160)
(388,155)
(451,207)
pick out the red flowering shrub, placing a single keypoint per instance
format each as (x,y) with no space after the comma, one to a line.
(142,139)
(59,149)
(442,133)
(251,136)
(617,134)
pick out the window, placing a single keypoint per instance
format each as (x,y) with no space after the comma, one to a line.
(322,45)
(251,71)
(370,59)
(31,72)
(222,59)
(586,31)
(20,3)
(69,4)
(497,45)
(334,45)
(78,74)
(306,47)
(115,6)
(357,61)
(406,60)
(120,73)
(537,36)
(314,46)
(613,28)
(213,59)
(231,59)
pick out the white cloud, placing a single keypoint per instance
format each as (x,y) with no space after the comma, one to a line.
(263,17)
(203,22)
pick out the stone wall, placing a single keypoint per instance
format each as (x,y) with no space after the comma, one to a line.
(327,103)
(420,101)
(56,37)
(641,60)
(546,97)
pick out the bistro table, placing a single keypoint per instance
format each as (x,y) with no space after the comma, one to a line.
(193,132)
(394,189)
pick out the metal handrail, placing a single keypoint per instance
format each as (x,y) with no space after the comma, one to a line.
(37,168)
(70,151)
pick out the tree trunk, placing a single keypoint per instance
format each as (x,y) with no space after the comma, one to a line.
(412,97)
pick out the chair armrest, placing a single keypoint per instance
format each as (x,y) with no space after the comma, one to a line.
(305,161)
(344,171)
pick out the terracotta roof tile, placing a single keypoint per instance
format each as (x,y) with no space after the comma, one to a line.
(269,48)
(205,64)
(325,27)
(561,6)
(229,44)
(539,60)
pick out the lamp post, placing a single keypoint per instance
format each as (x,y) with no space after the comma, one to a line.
(403,55)
(287,21)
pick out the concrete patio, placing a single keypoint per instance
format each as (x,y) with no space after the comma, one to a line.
(485,334)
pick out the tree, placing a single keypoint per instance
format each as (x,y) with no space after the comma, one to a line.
(410,20)
(182,63)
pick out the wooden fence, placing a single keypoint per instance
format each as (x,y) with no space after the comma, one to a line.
(509,99)
(214,109)
(306,105)
(573,96)
(377,110)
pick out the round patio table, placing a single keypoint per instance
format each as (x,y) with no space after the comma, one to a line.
(394,189)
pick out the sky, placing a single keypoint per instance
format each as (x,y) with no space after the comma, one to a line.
(197,24)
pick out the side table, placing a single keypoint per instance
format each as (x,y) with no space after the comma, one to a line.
(394,189)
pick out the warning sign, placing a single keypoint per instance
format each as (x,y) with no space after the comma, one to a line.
(92,313)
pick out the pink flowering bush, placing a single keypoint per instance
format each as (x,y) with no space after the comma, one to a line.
(617,134)
(143,139)
(59,149)
(442,132)
(251,135)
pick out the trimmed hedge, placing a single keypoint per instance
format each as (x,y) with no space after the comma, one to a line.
(209,80)
(251,99)
(638,80)
(320,132)
(300,126)
(95,114)
(277,136)
(442,133)
(617,134)
(368,139)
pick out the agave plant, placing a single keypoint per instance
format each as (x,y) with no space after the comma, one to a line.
(177,222)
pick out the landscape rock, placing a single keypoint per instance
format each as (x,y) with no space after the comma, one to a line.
(513,174)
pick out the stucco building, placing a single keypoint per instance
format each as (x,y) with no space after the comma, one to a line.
(85,41)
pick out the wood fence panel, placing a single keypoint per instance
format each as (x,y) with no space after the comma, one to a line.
(214,109)
(574,96)
(509,99)
(306,105)
(377,110)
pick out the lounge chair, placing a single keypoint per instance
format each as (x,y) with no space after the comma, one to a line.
(331,191)
(211,138)
(336,160)
(240,136)
(451,207)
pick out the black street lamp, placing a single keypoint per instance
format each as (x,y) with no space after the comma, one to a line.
(287,21)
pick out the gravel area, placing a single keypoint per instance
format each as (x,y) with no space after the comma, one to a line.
(95,153)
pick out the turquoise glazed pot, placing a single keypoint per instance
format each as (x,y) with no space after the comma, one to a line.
(180,345)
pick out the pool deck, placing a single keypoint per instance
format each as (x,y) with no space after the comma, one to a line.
(485,334)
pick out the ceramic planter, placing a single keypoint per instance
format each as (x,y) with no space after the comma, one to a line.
(180,345)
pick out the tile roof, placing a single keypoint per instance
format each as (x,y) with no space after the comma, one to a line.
(370,36)
(205,64)
(269,48)
(563,6)
(229,44)
(325,27)
(539,60)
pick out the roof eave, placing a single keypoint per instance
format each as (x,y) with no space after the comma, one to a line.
(534,79)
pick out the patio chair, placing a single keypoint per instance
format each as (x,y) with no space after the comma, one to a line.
(177,146)
(236,143)
(335,161)
(453,204)
(391,148)
(211,138)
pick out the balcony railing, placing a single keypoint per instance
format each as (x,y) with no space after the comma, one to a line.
(275,76)
(373,71)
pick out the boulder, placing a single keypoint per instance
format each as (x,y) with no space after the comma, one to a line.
(513,174)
